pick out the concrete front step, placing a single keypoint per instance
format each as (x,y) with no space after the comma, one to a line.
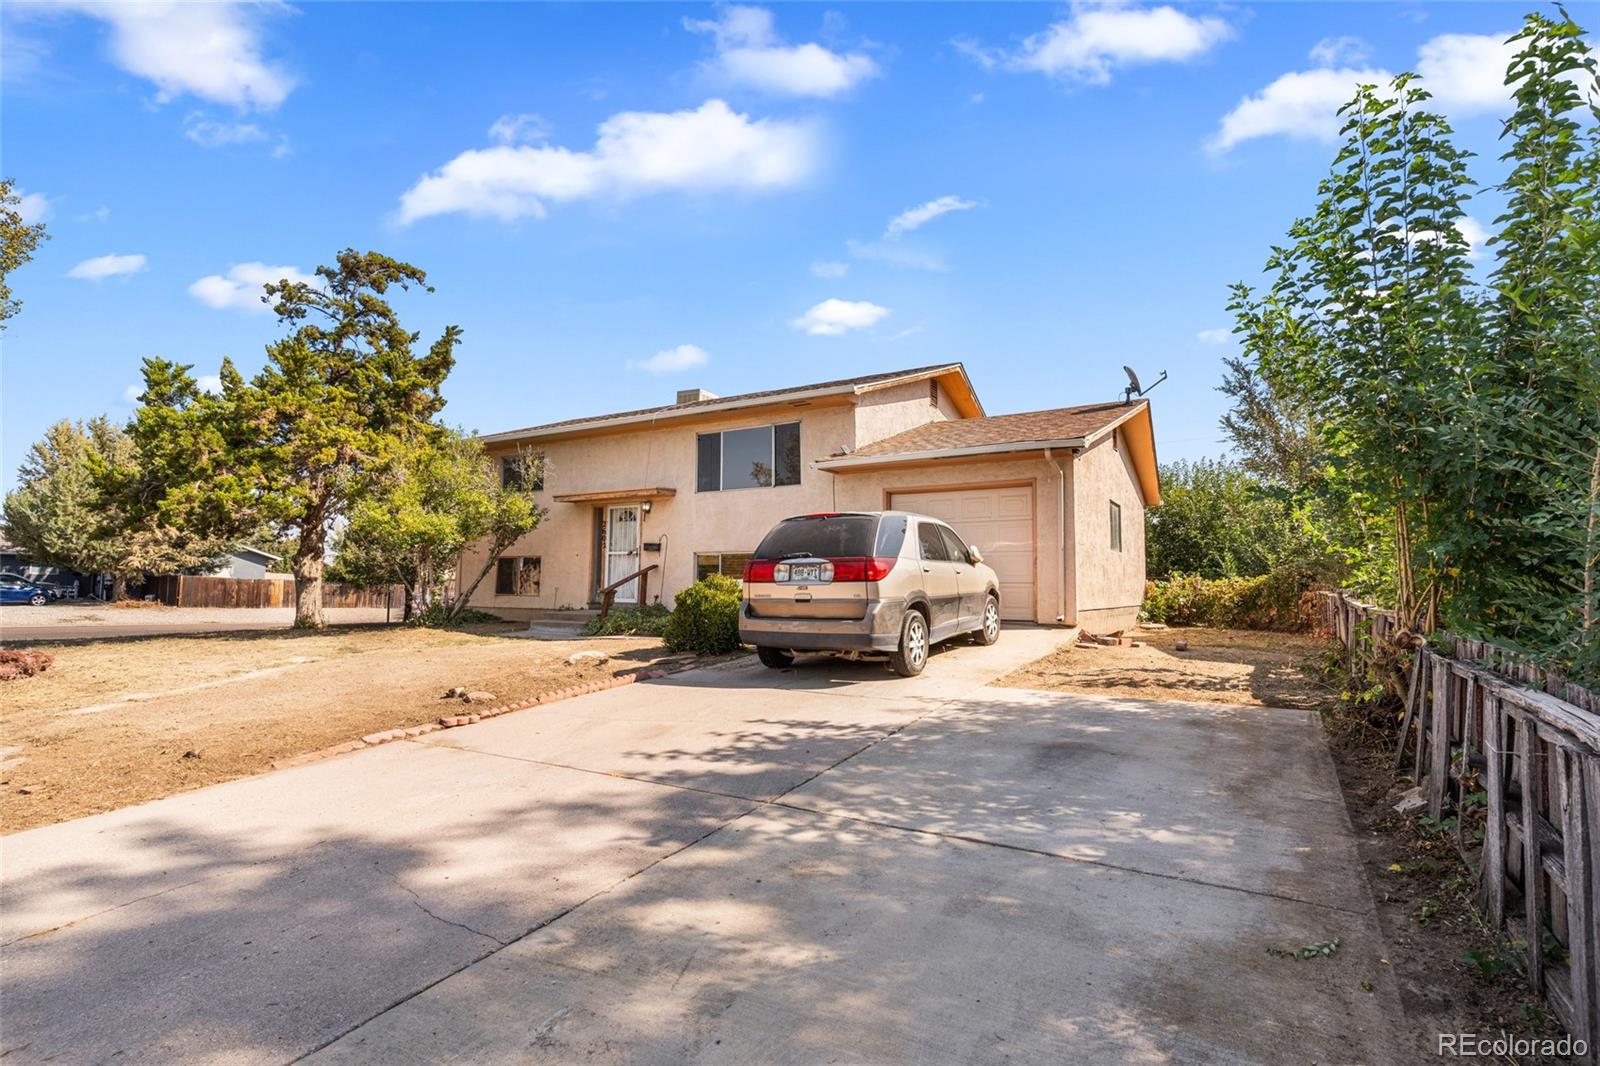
(544,617)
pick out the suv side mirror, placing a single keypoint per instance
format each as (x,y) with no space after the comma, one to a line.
(972,550)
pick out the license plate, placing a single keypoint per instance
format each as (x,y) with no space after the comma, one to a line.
(805,572)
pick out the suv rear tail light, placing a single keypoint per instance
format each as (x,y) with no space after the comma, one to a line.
(758,570)
(869,568)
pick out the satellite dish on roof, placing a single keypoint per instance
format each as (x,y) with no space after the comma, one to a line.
(1134,388)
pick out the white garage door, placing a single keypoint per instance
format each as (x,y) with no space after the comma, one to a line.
(1000,523)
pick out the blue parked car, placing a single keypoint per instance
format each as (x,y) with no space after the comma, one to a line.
(14,589)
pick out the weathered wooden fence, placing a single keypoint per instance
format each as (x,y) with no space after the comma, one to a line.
(187,590)
(1484,729)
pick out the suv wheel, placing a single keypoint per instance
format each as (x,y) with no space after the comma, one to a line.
(776,658)
(912,655)
(989,629)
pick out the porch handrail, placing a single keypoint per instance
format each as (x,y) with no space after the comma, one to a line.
(609,593)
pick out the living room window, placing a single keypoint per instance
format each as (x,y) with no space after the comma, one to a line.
(757,457)
(1116,526)
(518,576)
(729,564)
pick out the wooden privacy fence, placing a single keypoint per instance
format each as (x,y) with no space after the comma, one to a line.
(187,590)
(1490,733)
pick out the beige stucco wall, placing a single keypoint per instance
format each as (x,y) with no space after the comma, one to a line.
(868,491)
(687,523)
(1110,583)
(885,412)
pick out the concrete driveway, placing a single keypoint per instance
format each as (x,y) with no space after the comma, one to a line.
(829,864)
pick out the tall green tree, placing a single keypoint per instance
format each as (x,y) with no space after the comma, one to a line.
(1537,512)
(293,447)
(18,241)
(1370,322)
(437,497)
(1218,520)
(70,509)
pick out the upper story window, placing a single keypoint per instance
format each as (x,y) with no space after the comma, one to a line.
(758,457)
(514,470)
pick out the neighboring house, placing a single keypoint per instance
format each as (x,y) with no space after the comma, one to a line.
(245,562)
(15,560)
(1054,499)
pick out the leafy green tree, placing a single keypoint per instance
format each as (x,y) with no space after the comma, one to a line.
(291,449)
(1218,520)
(1370,323)
(18,241)
(69,509)
(437,498)
(1537,508)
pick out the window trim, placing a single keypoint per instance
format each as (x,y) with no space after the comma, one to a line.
(519,563)
(772,456)
(1116,526)
(720,556)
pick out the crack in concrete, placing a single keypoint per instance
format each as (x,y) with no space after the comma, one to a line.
(423,907)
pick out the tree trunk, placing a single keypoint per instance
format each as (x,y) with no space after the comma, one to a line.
(308,581)
(411,594)
(119,587)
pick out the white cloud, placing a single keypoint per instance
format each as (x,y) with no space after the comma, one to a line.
(210,133)
(132,393)
(672,360)
(750,54)
(107,266)
(209,383)
(1094,41)
(1340,51)
(209,50)
(833,317)
(1464,72)
(1302,105)
(526,128)
(1214,336)
(635,153)
(1477,237)
(240,288)
(99,214)
(896,254)
(32,206)
(829,268)
(911,219)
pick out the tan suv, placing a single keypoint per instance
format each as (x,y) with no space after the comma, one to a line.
(886,581)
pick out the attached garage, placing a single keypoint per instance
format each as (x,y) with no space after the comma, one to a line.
(999,520)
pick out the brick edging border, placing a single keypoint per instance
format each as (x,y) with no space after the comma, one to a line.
(451,721)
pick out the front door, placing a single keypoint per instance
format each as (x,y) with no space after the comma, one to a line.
(622,550)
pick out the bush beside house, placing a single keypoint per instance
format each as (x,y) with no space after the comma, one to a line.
(705,617)
(1270,601)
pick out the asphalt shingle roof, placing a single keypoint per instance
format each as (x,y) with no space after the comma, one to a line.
(1059,423)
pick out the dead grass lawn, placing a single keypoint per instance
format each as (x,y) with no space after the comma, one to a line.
(118,722)
(1220,666)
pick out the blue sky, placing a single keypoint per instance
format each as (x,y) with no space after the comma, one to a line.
(618,201)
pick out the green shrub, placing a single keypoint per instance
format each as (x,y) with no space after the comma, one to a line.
(705,618)
(432,617)
(647,621)
(1271,601)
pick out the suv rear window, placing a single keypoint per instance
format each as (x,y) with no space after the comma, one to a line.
(824,536)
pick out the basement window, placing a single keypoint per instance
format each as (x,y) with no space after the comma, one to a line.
(728,564)
(757,457)
(517,576)
(1116,526)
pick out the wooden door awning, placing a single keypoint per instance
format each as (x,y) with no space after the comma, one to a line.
(616,495)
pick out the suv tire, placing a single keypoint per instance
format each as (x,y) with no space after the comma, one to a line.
(988,630)
(775,658)
(912,655)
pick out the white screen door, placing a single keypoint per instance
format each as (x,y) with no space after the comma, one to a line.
(622,550)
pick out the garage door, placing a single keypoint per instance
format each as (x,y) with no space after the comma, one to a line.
(1000,523)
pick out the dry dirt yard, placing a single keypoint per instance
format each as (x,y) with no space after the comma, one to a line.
(118,722)
(1219,666)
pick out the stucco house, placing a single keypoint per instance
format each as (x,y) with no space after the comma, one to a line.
(1055,499)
